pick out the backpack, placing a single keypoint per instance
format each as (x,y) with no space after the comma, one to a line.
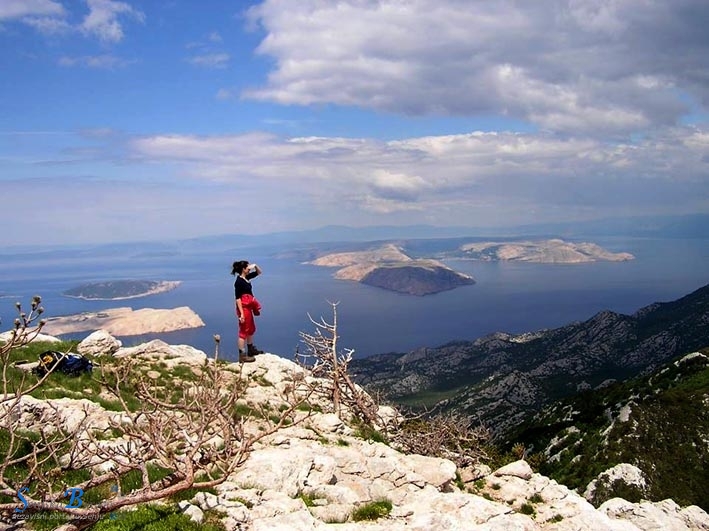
(71,364)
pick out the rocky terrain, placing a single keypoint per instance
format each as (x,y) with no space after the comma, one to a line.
(388,267)
(125,321)
(316,472)
(120,289)
(501,378)
(553,251)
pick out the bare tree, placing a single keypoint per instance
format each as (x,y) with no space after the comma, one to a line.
(195,432)
(332,365)
(444,435)
(438,435)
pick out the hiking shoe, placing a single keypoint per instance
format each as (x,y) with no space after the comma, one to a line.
(245,358)
(253,351)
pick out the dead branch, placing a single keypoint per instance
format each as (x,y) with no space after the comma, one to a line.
(333,367)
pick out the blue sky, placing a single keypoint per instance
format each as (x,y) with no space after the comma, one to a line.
(142,120)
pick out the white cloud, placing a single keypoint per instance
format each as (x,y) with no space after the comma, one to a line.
(103,19)
(567,65)
(106,61)
(476,178)
(211,60)
(48,25)
(10,9)
(50,17)
(224,94)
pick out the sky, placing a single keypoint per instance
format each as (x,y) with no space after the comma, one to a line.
(167,119)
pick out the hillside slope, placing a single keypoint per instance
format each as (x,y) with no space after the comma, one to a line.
(501,379)
(658,423)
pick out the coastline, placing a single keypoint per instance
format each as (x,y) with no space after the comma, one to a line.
(163,287)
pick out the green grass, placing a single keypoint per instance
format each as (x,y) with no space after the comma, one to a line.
(308,499)
(527,509)
(153,518)
(372,511)
(536,498)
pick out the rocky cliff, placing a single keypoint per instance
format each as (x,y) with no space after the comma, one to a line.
(319,470)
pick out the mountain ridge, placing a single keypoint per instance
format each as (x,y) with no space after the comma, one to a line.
(501,378)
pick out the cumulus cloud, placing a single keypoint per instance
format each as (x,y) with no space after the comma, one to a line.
(475,178)
(564,65)
(103,19)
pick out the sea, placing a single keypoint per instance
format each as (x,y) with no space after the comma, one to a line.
(510,297)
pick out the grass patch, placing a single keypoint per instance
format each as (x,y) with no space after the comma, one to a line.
(308,499)
(372,511)
(527,509)
(153,518)
(536,498)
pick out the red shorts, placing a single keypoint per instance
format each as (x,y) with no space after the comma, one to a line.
(247,327)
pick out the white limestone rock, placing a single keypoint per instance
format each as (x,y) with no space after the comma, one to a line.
(192,511)
(99,343)
(657,516)
(601,488)
(519,469)
(171,355)
(38,338)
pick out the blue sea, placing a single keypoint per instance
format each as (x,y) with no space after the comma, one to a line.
(509,297)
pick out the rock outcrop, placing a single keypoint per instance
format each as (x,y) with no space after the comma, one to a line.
(99,343)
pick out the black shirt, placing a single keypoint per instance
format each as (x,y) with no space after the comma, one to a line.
(243,287)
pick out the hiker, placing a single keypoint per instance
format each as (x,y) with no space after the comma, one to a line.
(247,306)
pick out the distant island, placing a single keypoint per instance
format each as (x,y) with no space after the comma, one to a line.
(388,267)
(120,289)
(125,321)
(553,251)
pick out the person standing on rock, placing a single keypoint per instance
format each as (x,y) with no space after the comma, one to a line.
(246,308)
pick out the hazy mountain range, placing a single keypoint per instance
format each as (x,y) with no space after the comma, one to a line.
(686,226)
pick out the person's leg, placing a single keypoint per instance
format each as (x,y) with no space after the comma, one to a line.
(253,351)
(244,356)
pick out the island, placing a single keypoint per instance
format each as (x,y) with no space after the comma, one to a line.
(125,321)
(120,289)
(554,251)
(388,267)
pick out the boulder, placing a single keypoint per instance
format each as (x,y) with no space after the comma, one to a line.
(99,343)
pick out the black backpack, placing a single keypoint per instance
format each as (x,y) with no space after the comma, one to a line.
(71,364)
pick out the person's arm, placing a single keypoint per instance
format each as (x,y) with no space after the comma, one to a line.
(239,309)
(256,271)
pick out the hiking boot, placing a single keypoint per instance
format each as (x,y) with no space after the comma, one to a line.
(245,358)
(253,351)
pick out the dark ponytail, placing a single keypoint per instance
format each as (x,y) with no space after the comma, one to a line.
(239,266)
